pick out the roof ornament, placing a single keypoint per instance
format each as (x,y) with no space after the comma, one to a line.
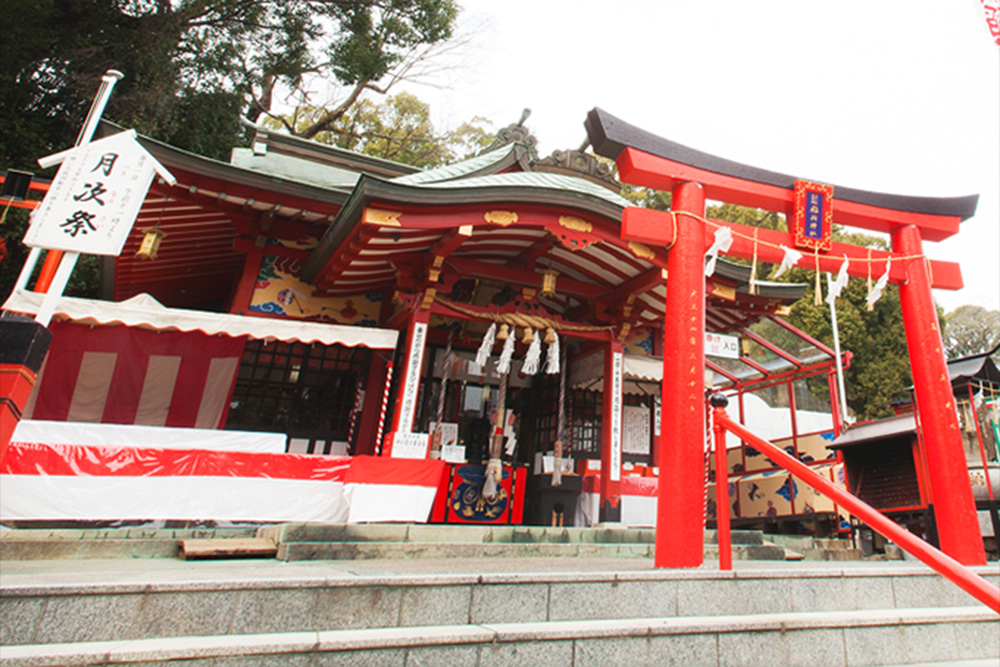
(515,133)
(575,162)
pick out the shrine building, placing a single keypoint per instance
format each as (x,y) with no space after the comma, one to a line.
(309,318)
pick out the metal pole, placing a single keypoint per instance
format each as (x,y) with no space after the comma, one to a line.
(54,257)
(836,349)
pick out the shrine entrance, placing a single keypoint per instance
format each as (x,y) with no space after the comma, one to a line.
(811,210)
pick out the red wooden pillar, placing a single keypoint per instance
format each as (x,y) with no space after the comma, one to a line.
(954,507)
(23,346)
(371,407)
(243,296)
(611,434)
(681,490)
(409,381)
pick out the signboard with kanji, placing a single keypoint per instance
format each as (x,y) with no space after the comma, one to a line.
(812,222)
(95,197)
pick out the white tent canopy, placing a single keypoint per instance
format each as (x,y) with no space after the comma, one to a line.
(643,375)
(146,312)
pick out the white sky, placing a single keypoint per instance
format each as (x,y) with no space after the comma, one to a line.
(900,97)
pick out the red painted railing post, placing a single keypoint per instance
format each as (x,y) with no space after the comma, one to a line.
(725,539)
(940,562)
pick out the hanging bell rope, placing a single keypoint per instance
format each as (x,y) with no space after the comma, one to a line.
(560,428)
(494,467)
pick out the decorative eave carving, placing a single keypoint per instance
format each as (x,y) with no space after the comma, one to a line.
(575,162)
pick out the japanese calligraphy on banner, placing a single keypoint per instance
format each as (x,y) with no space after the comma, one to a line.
(412,379)
(95,197)
(991,12)
(812,223)
(617,382)
(410,445)
(636,436)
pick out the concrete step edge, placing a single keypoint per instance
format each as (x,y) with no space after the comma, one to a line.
(186,648)
(230,583)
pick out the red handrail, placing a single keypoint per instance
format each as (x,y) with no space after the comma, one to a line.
(940,562)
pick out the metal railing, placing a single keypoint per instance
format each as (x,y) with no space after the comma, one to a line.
(940,562)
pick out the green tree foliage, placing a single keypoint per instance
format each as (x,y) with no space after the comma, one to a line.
(193,67)
(398,128)
(970,330)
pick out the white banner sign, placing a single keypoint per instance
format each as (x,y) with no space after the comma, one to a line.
(636,438)
(617,380)
(410,445)
(720,345)
(414,360)
(96,195)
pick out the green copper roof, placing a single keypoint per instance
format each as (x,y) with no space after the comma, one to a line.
(534,179)
(459,169)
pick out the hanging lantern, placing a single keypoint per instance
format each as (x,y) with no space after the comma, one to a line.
(504,332)
(150,243)
(549,282)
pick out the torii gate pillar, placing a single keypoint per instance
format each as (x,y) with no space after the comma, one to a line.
(681,495)
(954,506)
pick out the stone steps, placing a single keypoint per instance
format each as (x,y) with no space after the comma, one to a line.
(391,541)
(304,541)
(93,543)
(817,639)
(271,598)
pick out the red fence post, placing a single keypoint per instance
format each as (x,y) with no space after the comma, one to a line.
(940,562)
(725,539)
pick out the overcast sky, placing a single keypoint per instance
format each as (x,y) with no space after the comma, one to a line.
(900,97)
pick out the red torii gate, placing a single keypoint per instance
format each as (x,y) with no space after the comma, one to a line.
(648,160)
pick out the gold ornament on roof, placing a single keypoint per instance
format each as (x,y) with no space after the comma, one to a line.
(639,250)
(502,218)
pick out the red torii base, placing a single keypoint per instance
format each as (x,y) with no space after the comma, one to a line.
(650,161)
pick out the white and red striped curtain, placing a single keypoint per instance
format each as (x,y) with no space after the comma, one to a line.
(127,375)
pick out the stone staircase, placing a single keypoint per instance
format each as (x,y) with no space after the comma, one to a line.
(312,541)
(271,612)
(389,541)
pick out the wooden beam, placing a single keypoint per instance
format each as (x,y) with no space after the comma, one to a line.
(640,168)
(506,274)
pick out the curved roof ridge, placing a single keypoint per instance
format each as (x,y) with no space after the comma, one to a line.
(534,179)
(457,170)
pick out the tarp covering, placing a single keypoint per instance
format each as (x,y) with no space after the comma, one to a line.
(638,498)
(130,375)
(78,433)
(52,481)
(146,312)
(642,374)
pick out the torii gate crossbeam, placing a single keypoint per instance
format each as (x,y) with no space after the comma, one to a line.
(651,161)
